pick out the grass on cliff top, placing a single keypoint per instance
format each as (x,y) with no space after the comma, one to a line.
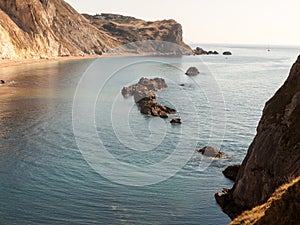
(257,214)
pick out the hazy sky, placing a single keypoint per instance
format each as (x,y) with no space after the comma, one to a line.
(214,21)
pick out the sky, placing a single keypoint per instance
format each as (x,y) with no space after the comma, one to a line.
(266,22)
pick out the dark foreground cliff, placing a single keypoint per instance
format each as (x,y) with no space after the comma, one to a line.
(273,158)
(51,28)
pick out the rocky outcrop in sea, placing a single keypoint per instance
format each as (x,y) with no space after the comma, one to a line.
(144,97)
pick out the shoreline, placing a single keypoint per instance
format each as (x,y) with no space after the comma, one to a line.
(4,63)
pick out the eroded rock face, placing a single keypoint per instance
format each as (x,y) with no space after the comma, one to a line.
(128,29)
(144,96)
(42,29)
(274,155)
(45,29)
(231,172)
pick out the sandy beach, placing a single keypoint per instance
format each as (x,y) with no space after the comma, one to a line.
(8,88)
(17,62)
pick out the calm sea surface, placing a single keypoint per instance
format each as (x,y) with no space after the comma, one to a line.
(45,178)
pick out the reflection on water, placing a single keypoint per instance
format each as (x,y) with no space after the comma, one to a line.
(45,180)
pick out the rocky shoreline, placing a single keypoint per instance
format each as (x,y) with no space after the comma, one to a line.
(273,158)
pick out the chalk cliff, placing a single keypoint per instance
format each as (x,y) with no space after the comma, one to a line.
(273,158)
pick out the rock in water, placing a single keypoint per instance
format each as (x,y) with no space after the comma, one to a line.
(144,96)
(175,121)
(199,51)
(210,151)
(2,82)
(227,53)
(192,71)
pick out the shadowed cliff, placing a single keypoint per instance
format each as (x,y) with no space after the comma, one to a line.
(273,158)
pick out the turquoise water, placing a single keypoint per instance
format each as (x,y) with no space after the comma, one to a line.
(45,178)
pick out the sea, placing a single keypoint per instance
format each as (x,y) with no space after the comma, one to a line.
(73,150)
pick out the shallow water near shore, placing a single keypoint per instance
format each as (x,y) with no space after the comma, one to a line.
(45,179)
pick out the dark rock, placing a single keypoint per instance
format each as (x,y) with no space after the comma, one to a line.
(273,158)
(144,96)
(212,53)
(231,172)
(153,84)
(192,71)
(175,121)
(227,53)
(163,114)
(182,85)
(210,151)
(200,51)
(2,82)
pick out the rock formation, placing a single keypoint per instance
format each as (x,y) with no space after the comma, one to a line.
(45,29)
(282,208)
(175,121)
(144,96)
(273,158)
(42,29)
(210,151)
(201,51)
(192,71)
(231,172)
(227,53)
(129,29)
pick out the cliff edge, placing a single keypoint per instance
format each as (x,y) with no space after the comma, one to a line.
(282,208)
(129,29)
(273,158)
(51,28)
(47,28)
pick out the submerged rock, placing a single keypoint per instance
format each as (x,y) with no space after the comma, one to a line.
(192,71)
(210,151)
